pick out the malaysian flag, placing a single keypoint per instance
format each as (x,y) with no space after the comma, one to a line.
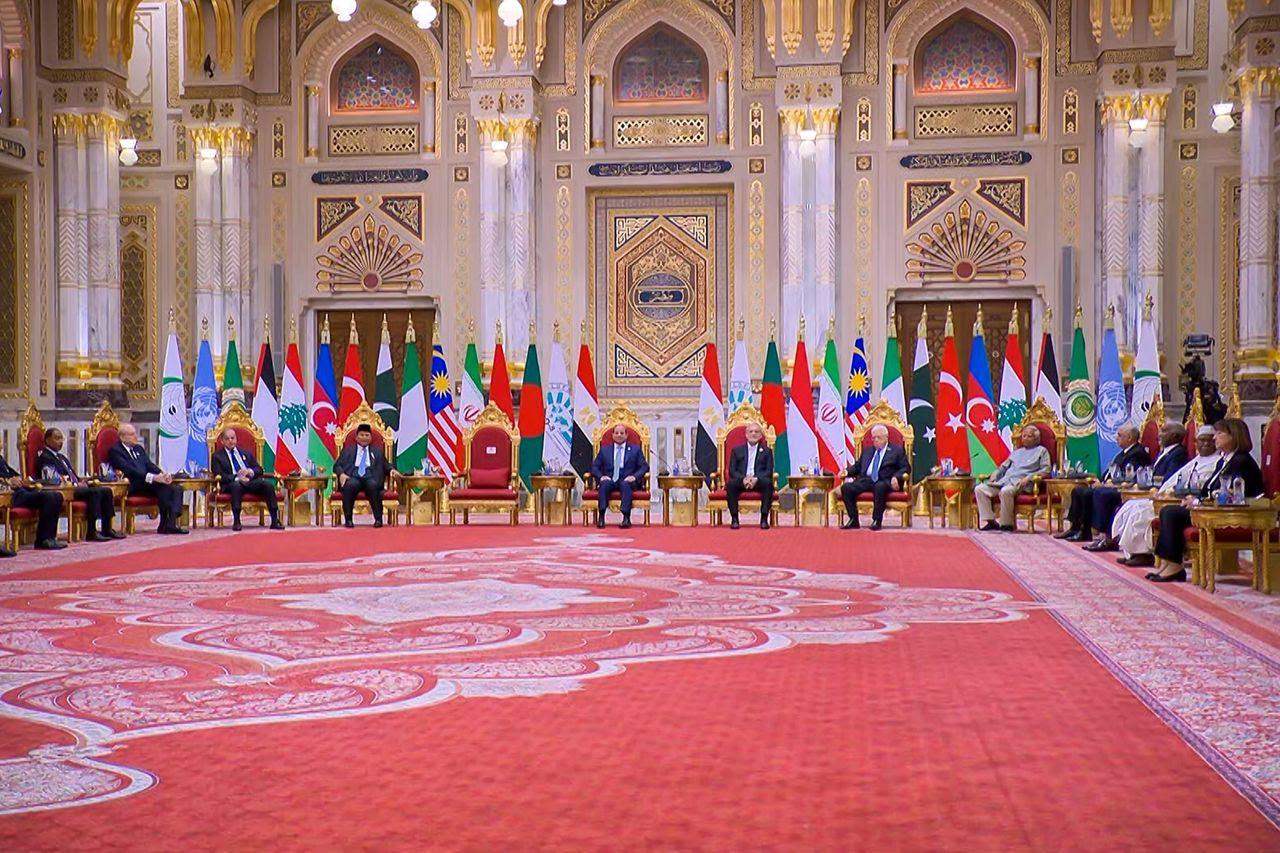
(444,440)
(857,401)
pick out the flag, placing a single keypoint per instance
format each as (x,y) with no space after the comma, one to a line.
(710,415)
(557,442)
(266,409)
(920,415)
(411,438)
(533,418)
(1079,409)
(986,448)
(444,439)
(204,408)
(740,376)
(586,412)
(1047,370)
(1013,390)
(952,438)
(802,438)
(1146,369)
(291,446)
(773,407)
(174,427)
(857,400)
(891,390)
(829,417)
(384,382)
(471,403)
(500,383)
(1113,408)
(232,379)
(324,393)
(352,377)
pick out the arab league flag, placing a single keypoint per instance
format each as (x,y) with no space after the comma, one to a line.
(1113,408)
(953,436)
(1013,390)
(533,418)
(857,400)
(411,438)
(291,448)
(1146,370)
(557,442)
(266,409)
(921,416)
(891,390)
(802,438)
(174,428)
(204,410)
(1047,371)
(471,402)
(1079,409)
(773,407)
(586,412)
(740,377)
(232,379)
(324,414)
(828,419)
(986,448)
(710,414)
(384,382)
(352,378)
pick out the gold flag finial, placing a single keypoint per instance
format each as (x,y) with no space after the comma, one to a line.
(204,328)
(353,334)
(386,331)
(582,331)
(1048,316)
(1013,322)
(555,331)
(977,323)
(231,327)
(922,328)
(831,326)
(266,328)
(293,330)
(1078,318)
(1109,318)
(471,330)
(800,334)
(173,322)
(533,332)
(1196,416)
(409,335)
(1148,306)
(324,330)
(497,336)
(862,323)
(1234,409)
(742,328)
(950,329)
(773,329)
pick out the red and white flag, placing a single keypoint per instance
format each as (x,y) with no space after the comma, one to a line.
(352,378)
(710,414)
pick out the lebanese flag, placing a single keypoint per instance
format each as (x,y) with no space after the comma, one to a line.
(352,379)
(586,413)
(953,438)
(291,444)
(802,438)
(710,415)
(500,384)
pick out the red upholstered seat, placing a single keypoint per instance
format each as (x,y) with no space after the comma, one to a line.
(1226,535)
(1151,438)
(893,496)
(1271,456)
(387,495)
(140,500)
(747,495)
(22,513)
(1048,438)
(106,438)
(224,498)
(594,494)
(466,493)
(31,448)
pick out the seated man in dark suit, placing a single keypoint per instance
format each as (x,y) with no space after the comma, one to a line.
(1106,503)
(239,474)
(1094,507)
(361,467)
(100,505)
(619,467)
(146,478)
(879,470)
(47,504)
(750,469)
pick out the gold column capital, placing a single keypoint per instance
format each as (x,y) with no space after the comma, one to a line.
(1117,108)
(792,119)
(826,119)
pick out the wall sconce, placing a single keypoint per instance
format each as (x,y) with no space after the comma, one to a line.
(128,151)
(808,132)
(1223,121)
(344,9)
(510,11)
(424,14)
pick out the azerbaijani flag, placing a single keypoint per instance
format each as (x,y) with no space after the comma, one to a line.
(324,416)
(773,406)
(533,417)
(986,448)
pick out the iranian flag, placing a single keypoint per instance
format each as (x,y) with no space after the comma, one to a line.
(500,384)
(1047,370)
(773,406)
(921,415)
(291,446)
(710,415)
(891,390)
(471,402)
(829,419)
(173,407)
(352,377)
(232,379)
(586,412)
(1146,369)
(986,448)
(1013,390)
(802,438)
(533,418)
(384,382)
(266,409)
(953,438)
(411,438)
(324,393)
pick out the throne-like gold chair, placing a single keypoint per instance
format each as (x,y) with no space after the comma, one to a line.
(384,438)
(489,476)
(248,435)
(900,434)
(637,433)
(731,434)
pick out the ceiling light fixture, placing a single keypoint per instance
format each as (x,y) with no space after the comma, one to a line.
(128,151)
(510,11)
(424,14)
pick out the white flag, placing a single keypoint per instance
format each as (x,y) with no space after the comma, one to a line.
(173,410)
(1146,373)
(557,438)
(740,378)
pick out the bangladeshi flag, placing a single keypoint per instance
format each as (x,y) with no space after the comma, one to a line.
(773,406)
(953,437)
(533,418)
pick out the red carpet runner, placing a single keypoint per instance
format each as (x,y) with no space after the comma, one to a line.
(469,688)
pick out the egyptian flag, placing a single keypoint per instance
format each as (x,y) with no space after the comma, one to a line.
(586,413)
(710,415)
(953,437)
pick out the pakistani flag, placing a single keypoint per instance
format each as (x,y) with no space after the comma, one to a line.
(1146,369)
(266,409)
(533,419)
(232,380)
(829,418)
(773,406)
(411,440)
(173,408)
(557,443)
(891,377)
(921,415)
(471,403)
(204,410)
(1013,390)
(1113,408)
(384,383)
(739,377)
(1079,409)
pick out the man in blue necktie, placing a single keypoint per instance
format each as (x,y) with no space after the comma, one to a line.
(880,470)
(239,474)
(362,471)
(618,468)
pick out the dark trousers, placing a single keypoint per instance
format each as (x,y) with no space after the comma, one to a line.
(624,490)
(1080,510)
(1106,502)
(168,496)
(1171,544)
(49,507)
(99,505)
(257,487)
(351,491)
(879,496)
(733,491)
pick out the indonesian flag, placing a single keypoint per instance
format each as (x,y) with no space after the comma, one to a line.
(710,414)
(802,438)
(291,445)
(586,413)
(953,438)
(352,378)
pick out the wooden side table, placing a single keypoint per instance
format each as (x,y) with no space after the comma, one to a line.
(119,491)
(554,482)
(1259,520)
(1133,493)
(6,504)
(805,482)
(1058,492)
(667,482)
(317,484)
(961,497)
(431,486)
(193,486)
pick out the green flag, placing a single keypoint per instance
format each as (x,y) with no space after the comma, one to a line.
(411,440)
(921,414)
(471,403)
(384,384)
(891,390)
(532,418)
(1080,409)
(232,381)
(773,405)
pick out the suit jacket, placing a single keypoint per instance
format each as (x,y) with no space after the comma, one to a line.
(58,462)
(763,467)
(133,463)
(220,465)
(893,464)
(1168,464)
(1241,465)
(1136,456)
(5,471)
(633,464)
(346,463)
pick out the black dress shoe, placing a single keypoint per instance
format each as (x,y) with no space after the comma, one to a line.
(849,525)
(348,524)
(6,553)
(1177,577)
(1152,575)
(1078,536)
(179,531)
(1068,534)
(50,545)
(378,523)
(600,522)
(990,525)
(764,524)
(626,522)
(276,525)
(95,536)
(1096,545)
(1008,528)
(734,525)
(1138,560)
(236,525)
(113,534)
(875,525)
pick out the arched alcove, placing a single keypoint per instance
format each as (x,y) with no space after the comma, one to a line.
(965,54)
(375,76)
(660,66)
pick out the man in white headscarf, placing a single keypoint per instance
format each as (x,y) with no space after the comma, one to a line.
(1133,522)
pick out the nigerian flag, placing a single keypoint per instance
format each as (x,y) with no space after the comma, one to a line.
(891,390)
(384,383)
(1079,408)
(411,440)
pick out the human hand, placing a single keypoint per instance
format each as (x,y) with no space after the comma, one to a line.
(630,479)
(15,482)
(896,484)
(342,480)
(749,482)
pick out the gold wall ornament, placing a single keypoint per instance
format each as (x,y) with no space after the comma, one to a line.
(1095,19)
(1116,108)
(1069,201)
(671,131)
(369,258)
(1228,296)
(462,263)
(792,24)
(1153,107)
(485,45)
(87,25)
(1070,111)
(1189,96)
(139,287)
(1160,16)
(562,130)
(15,282)
(1188,271)
(966,120)
(755,124)
(249,28)
(825,32)
(922,198)
(372,140)
(964,246)
(863,119)
(846,33)
(517,43)
(757,246)
(864,226)
(564,252)
(460,133)
(770,27)
(1121,17)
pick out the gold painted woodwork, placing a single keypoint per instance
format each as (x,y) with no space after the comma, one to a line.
(253,17)
(485,44)
(193,40)
(464,12)
(825,33)
(16,225)
(770,29)
(1095,19)
(1228,275)
(792,24)
(541,12)
(87,23)
(846,35)
(491,417)
(1161,16)
(1121,17)
(517,43)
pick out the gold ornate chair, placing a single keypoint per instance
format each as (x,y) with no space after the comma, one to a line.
(1149,435)
(1053,437)
(489,477)
(637,433)
(900,434)
(248,435)
(30,442)
(384,438)
(104,433)
(733,433)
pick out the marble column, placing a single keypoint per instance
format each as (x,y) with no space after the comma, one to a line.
(207,231)
(17,106)
(899,101)
(521,251)
(1257,225)
(1031,103)
(428,118)
(1116,111)
(71,248)
(722,107)
(311,105)
(102,151)
(597,111)
(826,252)
(237,291)
(791,250)
(1151,243)
(493,237)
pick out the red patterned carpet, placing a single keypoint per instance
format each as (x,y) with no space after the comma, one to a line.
(465,688)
